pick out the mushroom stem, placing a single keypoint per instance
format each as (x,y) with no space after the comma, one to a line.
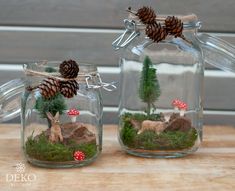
(73,119)
(176,108)
(182,112)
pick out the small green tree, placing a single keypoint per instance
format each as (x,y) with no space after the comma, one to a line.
(149,89)
(50,70)
(52,105)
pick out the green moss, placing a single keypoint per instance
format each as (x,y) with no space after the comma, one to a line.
(140,117)
(42,149)
(154,117)
(89,149)
(128,134)
(168,140)
(179,139)
(149,140)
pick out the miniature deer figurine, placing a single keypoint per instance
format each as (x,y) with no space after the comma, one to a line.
(55,135)
(157,126)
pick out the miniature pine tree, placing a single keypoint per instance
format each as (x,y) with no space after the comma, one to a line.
(52,105)
(149,89)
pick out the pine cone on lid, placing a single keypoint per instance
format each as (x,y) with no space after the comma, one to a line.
(69,88)
(69,69)
(146,15)
(49,87)
(156,32)
(174,26)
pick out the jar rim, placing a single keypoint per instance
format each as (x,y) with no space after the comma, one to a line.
(42,65)
(88,74)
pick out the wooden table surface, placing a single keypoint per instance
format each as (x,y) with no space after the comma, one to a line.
(212,167)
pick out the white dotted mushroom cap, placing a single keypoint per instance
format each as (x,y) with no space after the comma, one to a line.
(176,102)
(73,112)
(183,106)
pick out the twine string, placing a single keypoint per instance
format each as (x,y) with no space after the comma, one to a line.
(81,78)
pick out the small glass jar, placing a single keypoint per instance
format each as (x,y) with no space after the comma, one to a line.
(161,101)
(64,130)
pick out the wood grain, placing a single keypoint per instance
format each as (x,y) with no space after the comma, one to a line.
(20,45)
(89,46)
(216,15)
(212,167)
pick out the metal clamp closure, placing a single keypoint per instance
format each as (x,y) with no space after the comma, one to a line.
(100,84)
(130,26)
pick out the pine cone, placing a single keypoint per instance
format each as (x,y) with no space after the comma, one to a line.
(49,87)
(146,15)
(69,88)
(69,69)
(174,26)
(156,32)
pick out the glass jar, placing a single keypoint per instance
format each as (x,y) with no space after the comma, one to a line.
(63,129)
(161,101)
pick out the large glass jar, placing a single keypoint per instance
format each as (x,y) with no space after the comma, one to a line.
(161,101)
(61,126)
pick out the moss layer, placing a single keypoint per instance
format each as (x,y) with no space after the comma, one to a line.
(149,140)
(42,149)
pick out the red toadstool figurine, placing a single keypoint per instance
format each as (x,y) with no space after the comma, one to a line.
(175,103)
(73,113)
(183,107)
(79,156)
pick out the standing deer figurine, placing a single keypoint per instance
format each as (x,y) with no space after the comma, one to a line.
(157,126)
(55,134)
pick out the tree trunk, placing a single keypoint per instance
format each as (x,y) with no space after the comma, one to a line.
(49,122)
(148,109)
